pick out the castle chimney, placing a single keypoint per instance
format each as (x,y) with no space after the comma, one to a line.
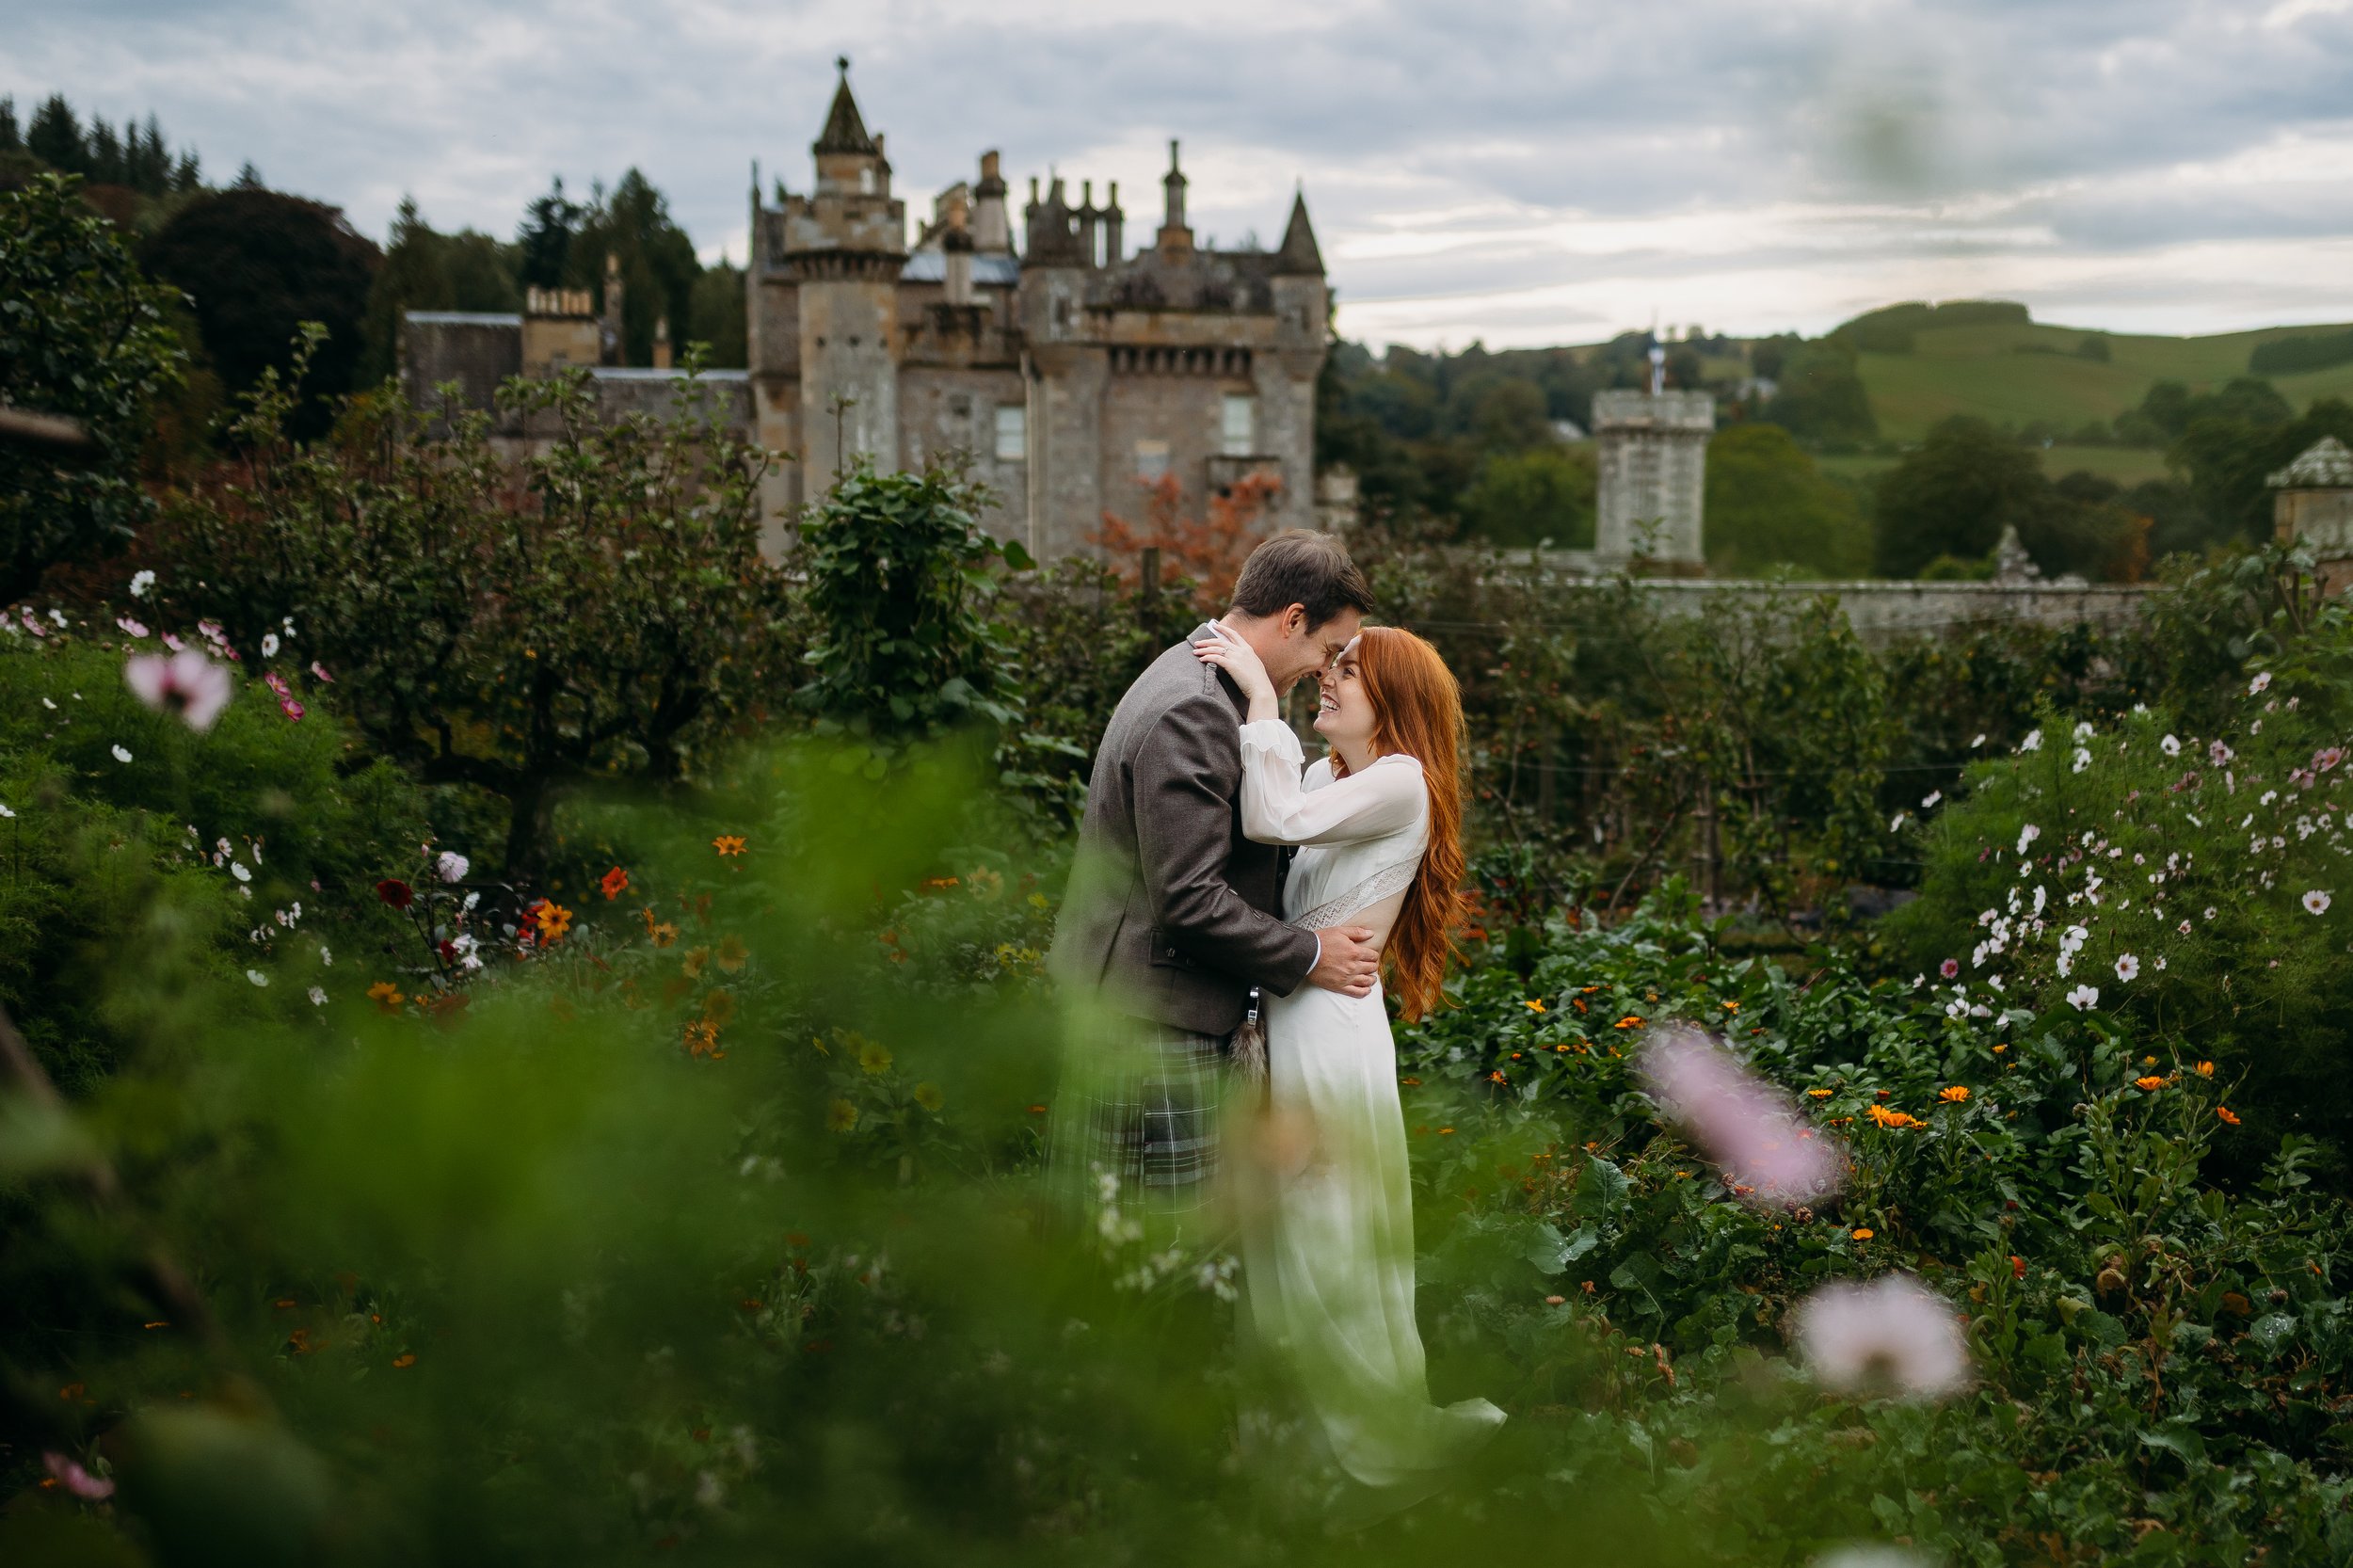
(1174,235)
(991,230)
(662,343)
(1087,219)
(610,332)
(1114,221)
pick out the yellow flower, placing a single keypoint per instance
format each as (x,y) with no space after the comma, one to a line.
(2150,1084)
(554,920)
(702,1039)
(874,1057)
(728,843)
(663,933)
(1533,1007)
(2205,1070)
(1861,1233)
(386,994)
(1954,1094)
(718,1008)
(840,1117)
(733,952)
(1818,1093)
(1731,1007)
(929,1097)
(692,964)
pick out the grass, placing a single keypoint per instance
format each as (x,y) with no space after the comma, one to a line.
(2012,374)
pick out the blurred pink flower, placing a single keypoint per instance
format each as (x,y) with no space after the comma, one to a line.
(276,683)
(75,1479)
(320,670)
(134,628)
(171,641)
(1743,1123)
(1893,1335)
(186,683)
(292,709)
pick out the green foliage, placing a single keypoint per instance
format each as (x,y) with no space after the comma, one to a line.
(1821,397)
(2228,448)
(135,158)
(2306,351)
(1768,506)
(1954,495)
(82,335)
(598,610)
(101,859)
(257,265)
(715,315)
(1890,329)
(902,586)
(659,269)
(424,270)
(2189,856)
(1545,494)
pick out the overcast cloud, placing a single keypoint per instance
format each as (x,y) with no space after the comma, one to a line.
(1524,173)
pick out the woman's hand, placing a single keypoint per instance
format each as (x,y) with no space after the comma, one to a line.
(1238,659)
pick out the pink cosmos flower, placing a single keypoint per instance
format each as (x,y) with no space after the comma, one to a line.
(1745,1124)
(134,628)
(276,683)
(1893,1335)
(293,710)
(171,641)
(320,670)
(75,1479)
(1948,968)
(186,683)
(2327,757)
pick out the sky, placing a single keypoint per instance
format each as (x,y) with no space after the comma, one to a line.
(1516,171)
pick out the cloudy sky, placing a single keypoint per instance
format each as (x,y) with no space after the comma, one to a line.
(1525,172)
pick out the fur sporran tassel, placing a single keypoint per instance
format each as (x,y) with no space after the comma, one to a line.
(1249,1051)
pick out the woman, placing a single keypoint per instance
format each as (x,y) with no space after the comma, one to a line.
(1328,1234)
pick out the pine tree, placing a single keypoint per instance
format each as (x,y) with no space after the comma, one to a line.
(544,239)
(12,139)
(248,177)
(56,136)
(186,175)
(105,154)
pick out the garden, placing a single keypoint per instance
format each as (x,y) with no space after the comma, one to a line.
(527,1041)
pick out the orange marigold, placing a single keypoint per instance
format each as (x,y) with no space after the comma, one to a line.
(2151,1083)
(1818,1093)
(2230,1117)
(1629,1021)
(1861,1233)
(2205,1070)
(728,843)
(615,883)
(386,996)
(1953,1094)
(554,921)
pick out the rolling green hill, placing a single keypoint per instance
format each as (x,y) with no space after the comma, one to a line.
(2013,375)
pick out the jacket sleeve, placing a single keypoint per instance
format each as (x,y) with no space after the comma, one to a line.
(1276,808)
(1185,777)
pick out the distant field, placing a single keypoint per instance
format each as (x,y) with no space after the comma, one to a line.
(1979,370)
(2125,465)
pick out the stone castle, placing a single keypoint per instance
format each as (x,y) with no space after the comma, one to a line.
(1072,373)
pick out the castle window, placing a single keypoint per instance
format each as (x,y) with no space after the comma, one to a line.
(866,181)
(1239,426)
(1151,462)
(1013,433)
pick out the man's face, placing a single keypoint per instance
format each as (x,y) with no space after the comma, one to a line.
(1306,649)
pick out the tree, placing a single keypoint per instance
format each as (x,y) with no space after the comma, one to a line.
(901,584)
(1769,505)
(544,243)
(2227,455)
(658,262)
(1543,495)
(55,137)
(424,270)
(1209,550)
(257,265)
(715,315)
(1952,496)
(599,610)
(1822,397)
(81,334)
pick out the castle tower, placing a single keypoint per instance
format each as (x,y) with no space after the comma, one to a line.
(1069,372)
(1174,238)
(2312,505)
(992,231)
(1653,475)
(610,330)
(1285,378)
(845,245)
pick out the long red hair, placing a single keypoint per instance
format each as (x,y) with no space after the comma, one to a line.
(1418,712)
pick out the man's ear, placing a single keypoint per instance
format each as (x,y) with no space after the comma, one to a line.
(1295,620)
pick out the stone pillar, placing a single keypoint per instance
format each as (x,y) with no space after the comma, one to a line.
(2312,504)
(1653,475)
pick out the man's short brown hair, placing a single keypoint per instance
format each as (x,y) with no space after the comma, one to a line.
(1302,567)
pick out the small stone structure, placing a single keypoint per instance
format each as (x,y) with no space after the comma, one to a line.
(1071,372)
(2312,501)
(1653,479)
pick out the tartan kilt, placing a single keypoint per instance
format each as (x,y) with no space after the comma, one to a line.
(1140,1102)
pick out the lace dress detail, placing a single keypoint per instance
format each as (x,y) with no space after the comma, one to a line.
(1371,891)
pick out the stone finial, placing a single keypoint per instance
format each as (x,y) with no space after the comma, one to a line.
(2013,566)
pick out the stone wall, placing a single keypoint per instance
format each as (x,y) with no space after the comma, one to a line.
(475,349)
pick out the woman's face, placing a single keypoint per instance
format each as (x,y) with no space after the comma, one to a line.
(1345,714)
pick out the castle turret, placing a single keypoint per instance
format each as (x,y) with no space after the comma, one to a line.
(610,331)
(845,245)
(1114,221)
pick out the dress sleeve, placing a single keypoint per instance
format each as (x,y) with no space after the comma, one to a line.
(1276,808)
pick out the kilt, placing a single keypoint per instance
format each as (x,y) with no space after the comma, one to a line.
(1136,1126)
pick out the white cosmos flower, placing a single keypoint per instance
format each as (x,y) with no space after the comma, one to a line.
(187,683)
(2033,741)
(269,645)
(121,755)
(1893,1335)
(2128,968)
(236,868)
(1896,822)
(2083,731)
(1930,798)
(2171,746)
(2084,998)
(6,812)
(452,866)
(318,995)
(2083,760)
(1978,741)
(2316,902)
(2028,835)
(140,582)
(2261,680)
(257,977)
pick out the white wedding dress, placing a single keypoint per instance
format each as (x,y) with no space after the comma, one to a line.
(1328,1226)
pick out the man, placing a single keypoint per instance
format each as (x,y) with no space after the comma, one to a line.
(1173,916)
